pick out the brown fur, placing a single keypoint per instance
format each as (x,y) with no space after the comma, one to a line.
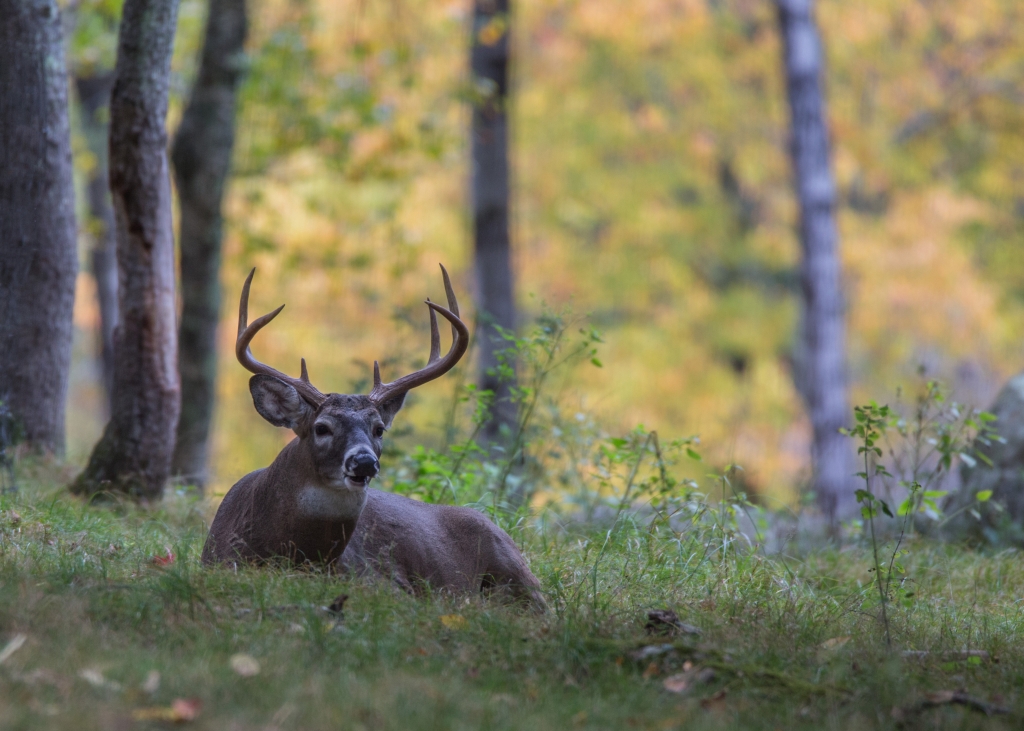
(444,547)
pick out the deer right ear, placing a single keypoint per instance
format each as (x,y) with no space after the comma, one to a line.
(279,402)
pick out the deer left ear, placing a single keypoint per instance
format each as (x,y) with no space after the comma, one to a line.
(389,408)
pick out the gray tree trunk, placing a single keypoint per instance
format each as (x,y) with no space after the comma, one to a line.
(94,98)
(202,160)
(134,454)
(38,255)
(823,350)
(489,66)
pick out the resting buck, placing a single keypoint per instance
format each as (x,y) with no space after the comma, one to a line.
(314,500)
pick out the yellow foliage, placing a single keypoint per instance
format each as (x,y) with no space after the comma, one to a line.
(627,116)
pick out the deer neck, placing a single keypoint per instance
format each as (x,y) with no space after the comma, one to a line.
(315,499)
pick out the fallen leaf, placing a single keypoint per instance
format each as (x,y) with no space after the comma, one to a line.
(245,665)
(714,702)
(12,647)
(453,621)
(338,604)
(181,710)
(166,560)
(651,671)
(152,682)
(649,651)
(690,677)
(834,643)
(187,708)
(95,678)
(677,683)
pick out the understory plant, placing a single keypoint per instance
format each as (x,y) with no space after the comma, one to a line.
(908,454)
(559,466)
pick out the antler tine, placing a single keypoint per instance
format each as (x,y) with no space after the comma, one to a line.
(436,366)
(453,304)
(435,338)
(247,331)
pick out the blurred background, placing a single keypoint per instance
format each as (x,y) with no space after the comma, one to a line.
(651,197)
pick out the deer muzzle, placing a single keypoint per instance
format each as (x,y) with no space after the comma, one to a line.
(361,466)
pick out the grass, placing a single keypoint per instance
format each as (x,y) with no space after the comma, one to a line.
(791,643)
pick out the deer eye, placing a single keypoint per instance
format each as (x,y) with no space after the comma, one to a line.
(322,430)
(378,431)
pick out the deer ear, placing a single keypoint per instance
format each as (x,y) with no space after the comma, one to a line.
(278,402)
(389,408)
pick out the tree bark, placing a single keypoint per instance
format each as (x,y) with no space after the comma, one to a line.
(823,350)
(202,160)
(489,65)
(38,255)
(94,98)
(134,454)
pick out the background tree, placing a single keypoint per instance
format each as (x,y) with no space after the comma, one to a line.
(91,41)
(489,68)
(134,454)
(94,96)
(202,160)
(38,258)
(822,353)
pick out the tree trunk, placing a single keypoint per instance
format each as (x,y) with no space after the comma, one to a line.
(823,349)
(489,64)
(38,255)
(134,454)
(202,160)
(94,97)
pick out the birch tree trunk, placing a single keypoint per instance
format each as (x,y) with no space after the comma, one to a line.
(134,454)
(823,350)
(202,160)
(489,66)
(38,255)
(94,97)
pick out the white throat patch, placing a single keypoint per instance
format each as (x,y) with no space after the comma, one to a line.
(331,503)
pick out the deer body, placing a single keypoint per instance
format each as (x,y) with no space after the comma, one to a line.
(417,544)
(313,501)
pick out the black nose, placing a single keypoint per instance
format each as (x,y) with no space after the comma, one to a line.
(362,464)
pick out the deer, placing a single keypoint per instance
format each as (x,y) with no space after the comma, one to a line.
(313,504)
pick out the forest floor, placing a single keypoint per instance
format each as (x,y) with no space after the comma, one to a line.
(108,621)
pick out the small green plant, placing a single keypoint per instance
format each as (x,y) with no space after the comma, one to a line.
(463,471)
(925,444)
(871,423)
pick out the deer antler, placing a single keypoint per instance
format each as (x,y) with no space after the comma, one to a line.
(436,365)
(246,332)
